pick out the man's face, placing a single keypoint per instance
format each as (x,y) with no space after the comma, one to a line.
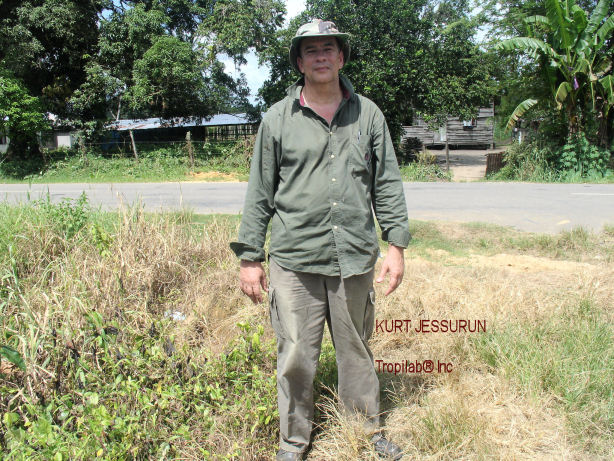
(320,59)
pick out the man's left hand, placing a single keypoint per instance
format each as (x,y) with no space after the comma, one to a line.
(393,265)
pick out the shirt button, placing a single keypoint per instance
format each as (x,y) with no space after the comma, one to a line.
(335,227)
(332,156)
(334,179)
(334,203)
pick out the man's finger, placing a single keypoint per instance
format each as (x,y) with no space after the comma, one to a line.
(263,283)
(256,296)
(252,293)
(382,273)
(395,281)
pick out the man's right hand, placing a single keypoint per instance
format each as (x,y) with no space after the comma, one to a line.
(252,277)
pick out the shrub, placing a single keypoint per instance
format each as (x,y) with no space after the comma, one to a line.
(409,149)
(527,162)
(580,158)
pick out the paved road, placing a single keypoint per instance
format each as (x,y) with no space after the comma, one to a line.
(546,208)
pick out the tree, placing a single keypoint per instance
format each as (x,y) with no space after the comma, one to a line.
(160,57)
(168,81)
(575,65)
(46,44)
(90,61)
(459,75)
(21,116)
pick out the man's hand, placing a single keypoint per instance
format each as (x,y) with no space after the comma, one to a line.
(393,265)
(252,277)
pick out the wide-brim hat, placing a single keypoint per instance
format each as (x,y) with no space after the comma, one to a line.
(318,28)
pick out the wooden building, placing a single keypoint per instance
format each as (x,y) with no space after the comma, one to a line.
(476,132)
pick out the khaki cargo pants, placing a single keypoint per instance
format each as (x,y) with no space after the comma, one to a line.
(300,304)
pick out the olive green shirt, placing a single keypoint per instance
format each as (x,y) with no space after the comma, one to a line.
(319,184)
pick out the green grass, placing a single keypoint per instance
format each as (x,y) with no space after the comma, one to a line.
(570,357)
(154,165)
(489,239)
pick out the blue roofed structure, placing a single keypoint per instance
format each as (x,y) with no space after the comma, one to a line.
(219,127)
(189,122)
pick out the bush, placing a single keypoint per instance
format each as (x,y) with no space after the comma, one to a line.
(577,160)
(580,158)
(409,150)
(527,162)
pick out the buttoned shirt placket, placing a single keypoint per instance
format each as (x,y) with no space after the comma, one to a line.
(335,198)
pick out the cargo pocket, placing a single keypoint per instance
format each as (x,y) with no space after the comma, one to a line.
(276,322)
(360,157)
(369,319)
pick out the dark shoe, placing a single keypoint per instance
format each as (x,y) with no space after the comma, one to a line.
(283,455)
(386,449)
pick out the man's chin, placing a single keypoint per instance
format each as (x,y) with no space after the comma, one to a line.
(324,77)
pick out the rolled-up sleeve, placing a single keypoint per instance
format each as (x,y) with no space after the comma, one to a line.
(387,193)
(259,201)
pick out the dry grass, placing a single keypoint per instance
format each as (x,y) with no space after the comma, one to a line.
(136,270)
(477,412)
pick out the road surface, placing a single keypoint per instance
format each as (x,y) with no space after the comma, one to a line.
(547,208)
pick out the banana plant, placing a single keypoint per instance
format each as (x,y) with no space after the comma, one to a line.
(571,43)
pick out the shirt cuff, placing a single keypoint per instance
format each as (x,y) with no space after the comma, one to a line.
(247,252)
(398,237)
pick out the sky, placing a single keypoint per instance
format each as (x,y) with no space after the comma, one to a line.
(254,74)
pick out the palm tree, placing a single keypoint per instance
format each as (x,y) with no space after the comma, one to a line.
(577,68)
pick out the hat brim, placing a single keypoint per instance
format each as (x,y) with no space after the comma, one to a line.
(296,43)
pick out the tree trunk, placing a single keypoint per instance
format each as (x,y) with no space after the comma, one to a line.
(119,108)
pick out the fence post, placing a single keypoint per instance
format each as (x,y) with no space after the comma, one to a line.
(188,139)
(447,149)
(134,151)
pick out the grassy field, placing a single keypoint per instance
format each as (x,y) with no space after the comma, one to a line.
(124,336)
(220,161)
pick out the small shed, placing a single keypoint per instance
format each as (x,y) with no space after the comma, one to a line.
(457,132)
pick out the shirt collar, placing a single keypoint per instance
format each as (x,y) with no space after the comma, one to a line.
(294,91)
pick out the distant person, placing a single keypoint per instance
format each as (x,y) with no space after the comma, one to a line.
(323,159)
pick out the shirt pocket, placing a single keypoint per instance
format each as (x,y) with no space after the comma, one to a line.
(361,156)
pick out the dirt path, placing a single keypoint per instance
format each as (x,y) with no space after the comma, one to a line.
(466,164)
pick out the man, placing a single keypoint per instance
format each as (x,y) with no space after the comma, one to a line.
(323,159)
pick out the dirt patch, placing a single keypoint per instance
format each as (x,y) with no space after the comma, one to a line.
(522,263)
(466,164)
(213,176)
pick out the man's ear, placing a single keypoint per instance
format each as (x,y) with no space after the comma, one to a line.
(299,63)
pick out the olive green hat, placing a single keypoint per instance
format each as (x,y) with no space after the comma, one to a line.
(318,28)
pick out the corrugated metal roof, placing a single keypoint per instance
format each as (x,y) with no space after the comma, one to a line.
(151,123)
